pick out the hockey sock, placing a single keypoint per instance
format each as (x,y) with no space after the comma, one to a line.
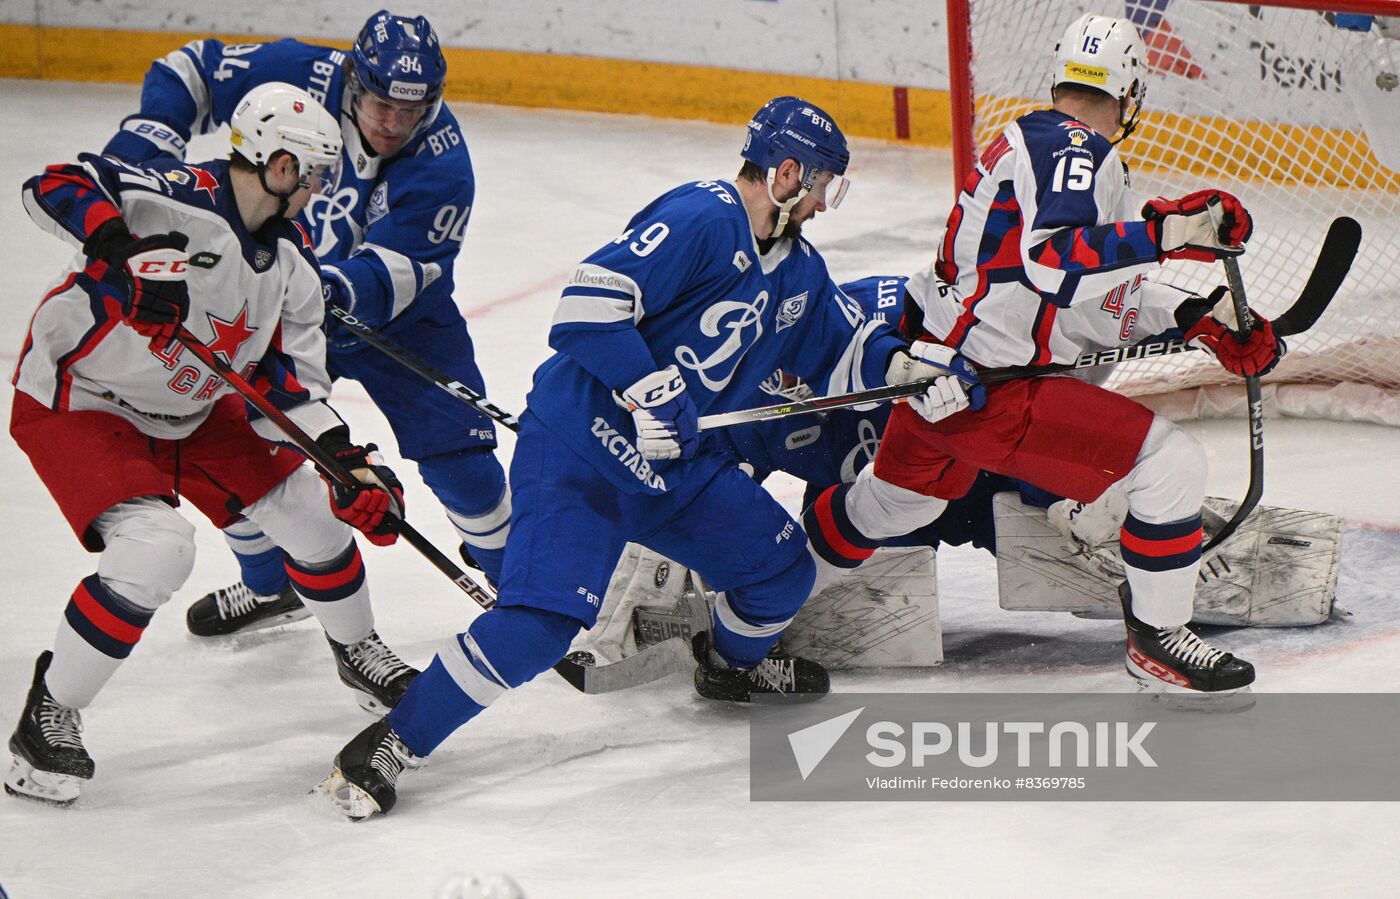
(98,631)
(503,648)
(433,707)
(471,485)
(336,594)
(834,539)
(259,559)
(748,620)
(1161,561)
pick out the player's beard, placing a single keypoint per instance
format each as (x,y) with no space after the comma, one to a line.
(792,230)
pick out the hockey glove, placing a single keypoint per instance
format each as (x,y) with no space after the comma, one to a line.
(1184,229)
(955,387)
(373,508)
(664,415)
(1214,327)
(149,274)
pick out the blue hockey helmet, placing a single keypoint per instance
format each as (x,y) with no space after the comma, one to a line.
(399,58)
(792,128)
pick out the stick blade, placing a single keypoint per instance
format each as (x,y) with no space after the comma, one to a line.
(1333,262)
(660,660)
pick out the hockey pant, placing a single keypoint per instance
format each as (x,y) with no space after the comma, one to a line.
(1060,434)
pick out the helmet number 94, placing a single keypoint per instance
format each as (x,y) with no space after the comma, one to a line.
(449,224)
(647,241)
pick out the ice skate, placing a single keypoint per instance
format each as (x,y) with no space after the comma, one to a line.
(1175,659)
(778,674)
(378,676)
(236,609)
(366,774)
(50,762)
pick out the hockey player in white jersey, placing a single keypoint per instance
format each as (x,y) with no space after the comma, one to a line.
(103,389)
(387,231)
(1044,258)
(708,290)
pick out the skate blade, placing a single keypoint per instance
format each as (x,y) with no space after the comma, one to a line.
(1180,698)
(27,782)
(370,703)
(263,625)
(353,802)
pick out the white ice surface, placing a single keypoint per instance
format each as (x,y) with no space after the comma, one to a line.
(205,751)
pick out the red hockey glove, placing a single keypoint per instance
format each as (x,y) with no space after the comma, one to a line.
(1184,229)
(149,273)
(1215,330)
(373,508)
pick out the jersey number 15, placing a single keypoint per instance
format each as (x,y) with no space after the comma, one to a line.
(1081,174)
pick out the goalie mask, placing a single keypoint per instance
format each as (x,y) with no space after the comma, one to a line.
(276,118)
(1102,52)
(792,128)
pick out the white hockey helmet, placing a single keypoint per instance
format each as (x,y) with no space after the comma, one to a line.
(1103,53)
(277,117)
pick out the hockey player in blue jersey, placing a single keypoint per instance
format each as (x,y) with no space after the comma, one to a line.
(709,289)
(387,232)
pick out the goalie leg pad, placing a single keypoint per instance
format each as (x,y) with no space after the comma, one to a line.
(883,614)
(646,589)
(1278,570)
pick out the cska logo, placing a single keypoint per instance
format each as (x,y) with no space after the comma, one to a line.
(229,336)
(204,181)
(298,106)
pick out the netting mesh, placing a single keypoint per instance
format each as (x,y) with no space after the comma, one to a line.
(1254,100)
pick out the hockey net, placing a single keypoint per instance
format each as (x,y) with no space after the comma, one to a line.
(1262,100)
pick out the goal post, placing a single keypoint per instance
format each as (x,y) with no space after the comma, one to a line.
(1276,102)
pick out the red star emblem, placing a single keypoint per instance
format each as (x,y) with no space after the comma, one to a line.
(229,336)
(305,238)
(204,181)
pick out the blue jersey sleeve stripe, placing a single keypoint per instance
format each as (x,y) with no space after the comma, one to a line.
(620,295)
(184,64)
(402,274)
(593,309)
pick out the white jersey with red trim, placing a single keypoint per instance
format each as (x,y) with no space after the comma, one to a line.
(255,300)
(1044,257)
